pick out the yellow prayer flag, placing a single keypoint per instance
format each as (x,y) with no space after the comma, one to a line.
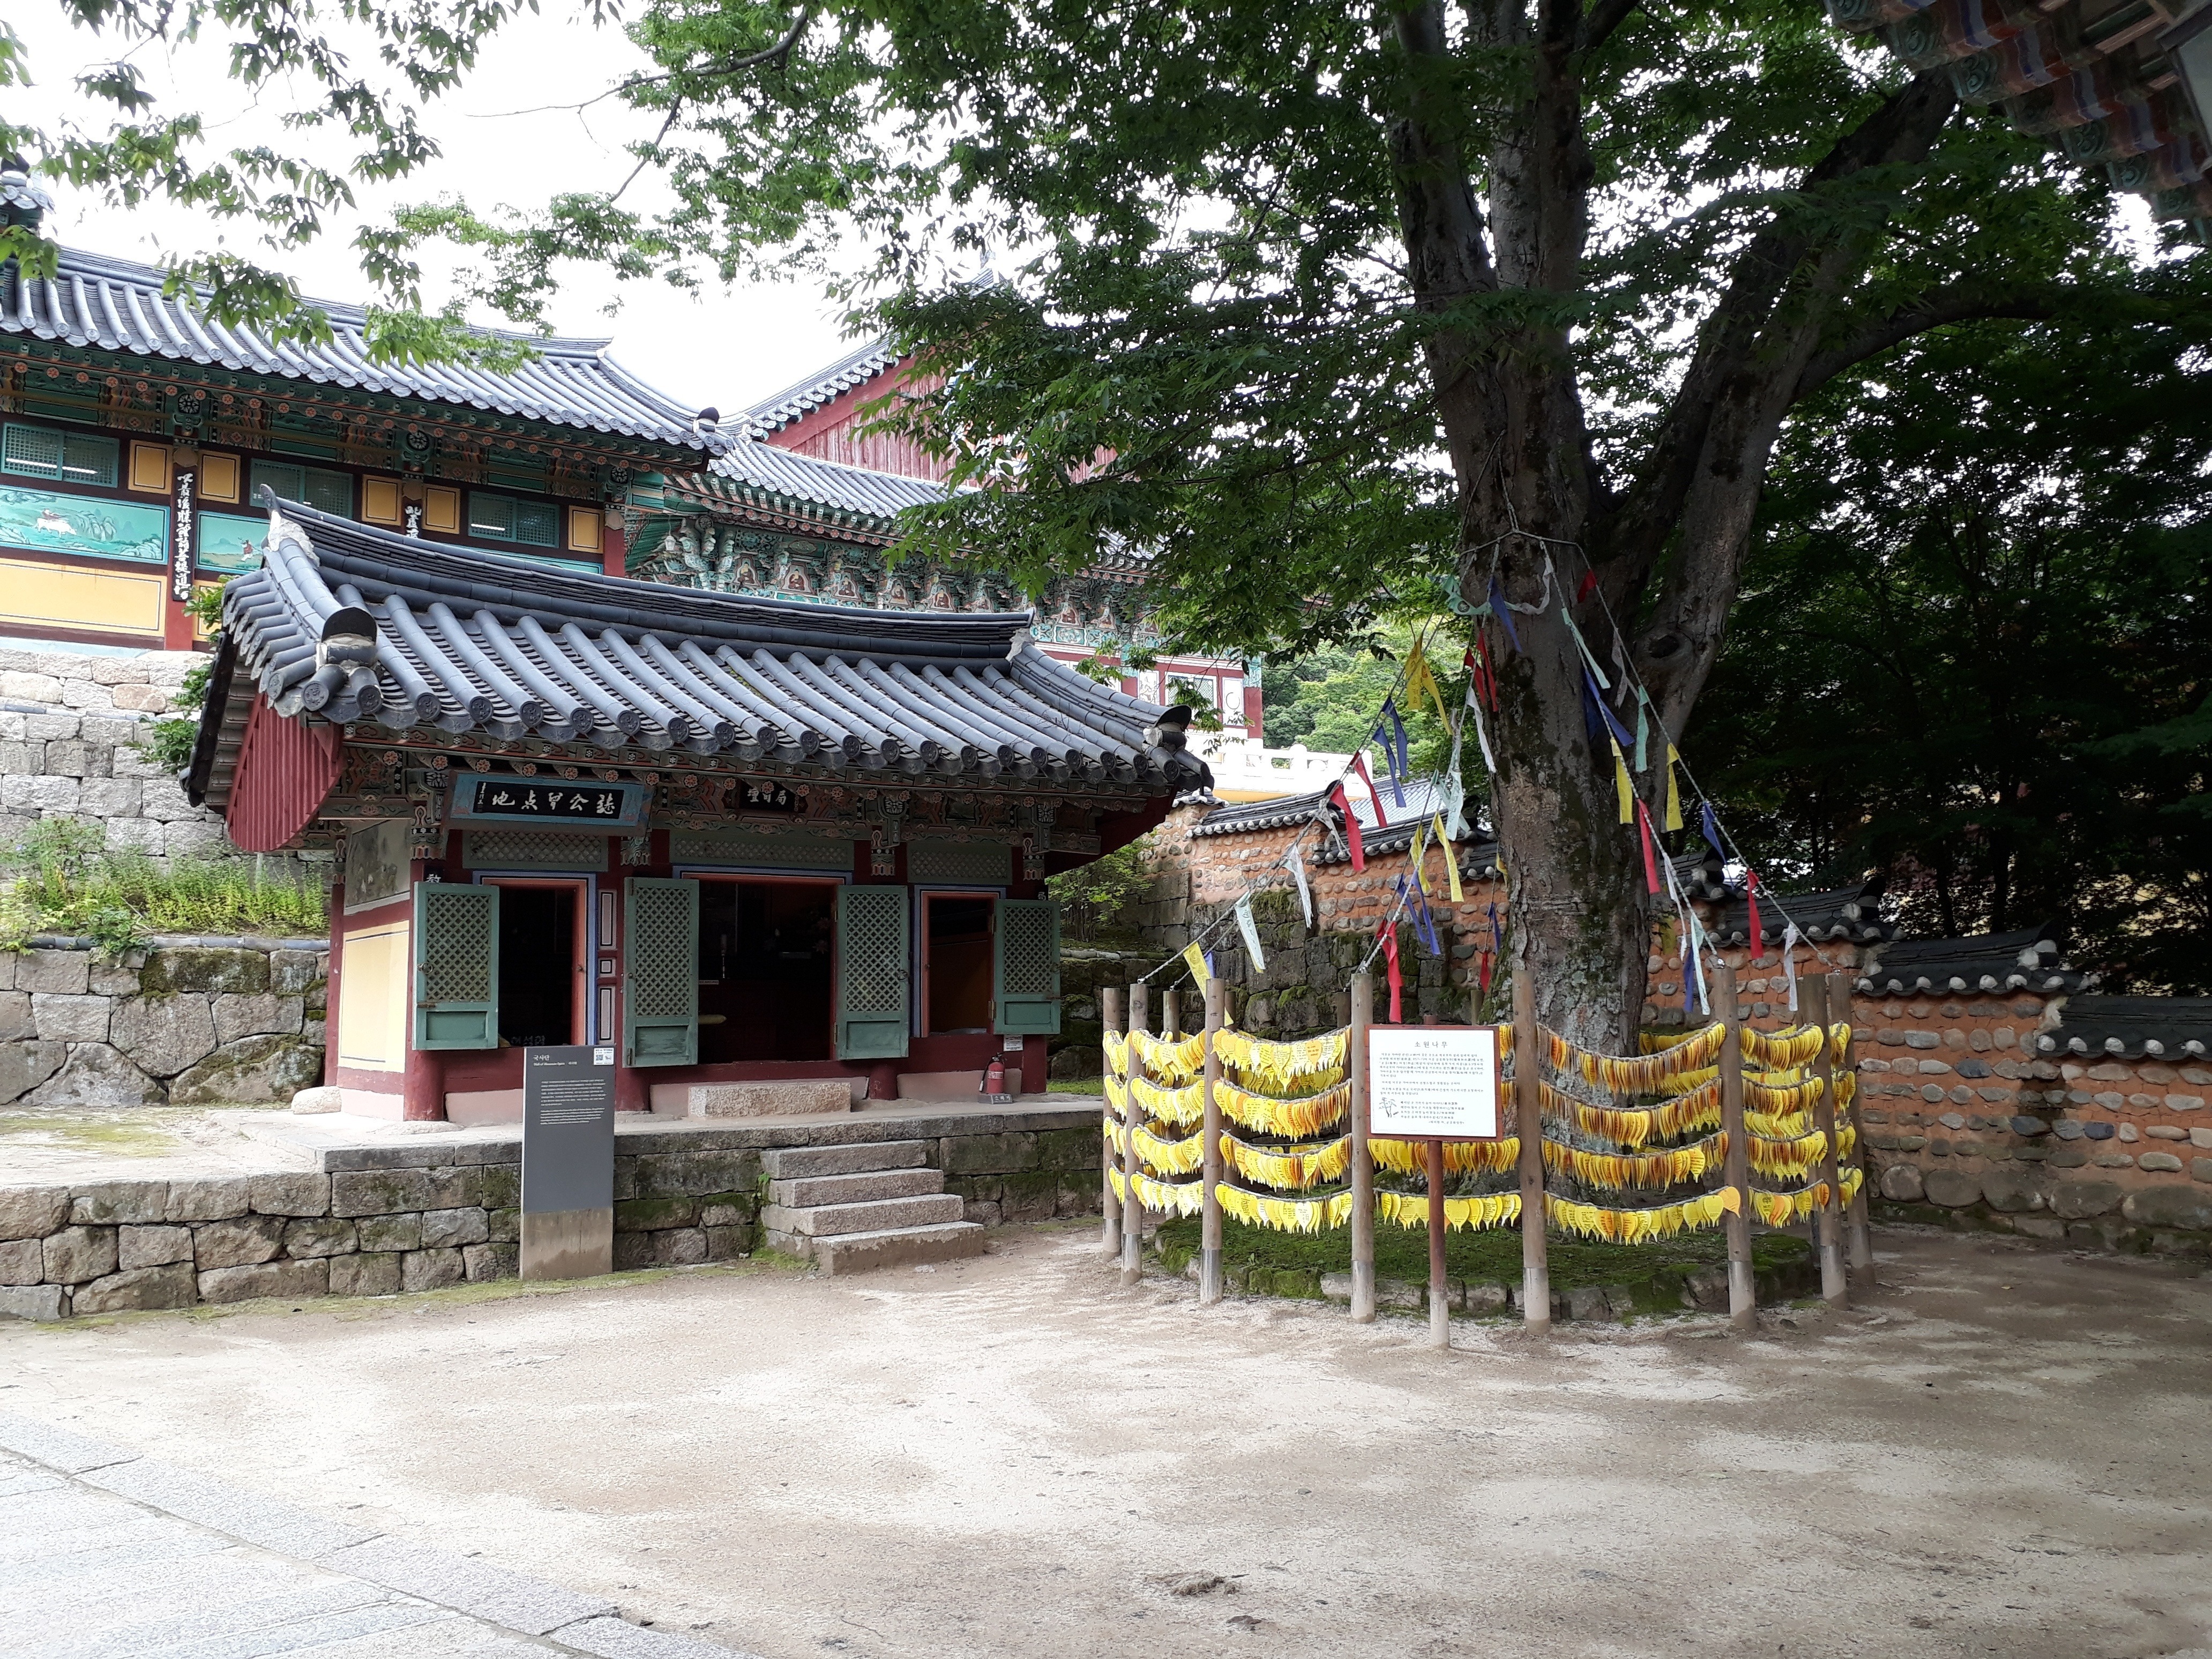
(1451,858)
(1196,958)
(1674,797)
(1621,786)
(1414,852)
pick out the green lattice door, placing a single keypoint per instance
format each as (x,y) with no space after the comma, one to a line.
(1027,981)
(875,977)
(660,972)
(456,966)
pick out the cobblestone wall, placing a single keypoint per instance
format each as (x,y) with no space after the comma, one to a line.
(424,1216)
(70,730)
(186,1022)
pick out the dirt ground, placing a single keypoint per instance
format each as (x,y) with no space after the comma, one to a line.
(2002,1451)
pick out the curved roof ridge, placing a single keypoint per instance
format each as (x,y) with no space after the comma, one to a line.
(97,299)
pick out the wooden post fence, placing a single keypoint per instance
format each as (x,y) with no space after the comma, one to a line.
(1170,1013)
(1209,1224)
(1847,1064)
(1828,1217)
(1529,1121)
(1743,1292)
(1362,1165)
(1132,1207)
(1109,1207)
(1439,1286)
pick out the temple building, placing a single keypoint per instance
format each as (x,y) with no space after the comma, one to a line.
(741,841)
(804,504)
(135,432)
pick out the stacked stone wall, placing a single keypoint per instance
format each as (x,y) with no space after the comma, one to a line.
(423,1218)
(185,1022)
(71,727)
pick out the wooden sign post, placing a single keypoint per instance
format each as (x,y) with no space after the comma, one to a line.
(1828,1218)
(1109,1208)
(1209,1214)
(1529,1120)
(1132,1207)
(1743,1292)
(1847,1064)
(1363,1163)
(1433,1084)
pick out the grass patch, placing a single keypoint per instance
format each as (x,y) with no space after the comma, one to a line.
(61,879)
(1076,1086)
(1292,1264)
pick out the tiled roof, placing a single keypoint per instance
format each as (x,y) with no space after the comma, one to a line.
(116,305)
(2132,1028)
(1424,798)
(1840,912)
(466,641)
(750,473)
(2099,77)
(795,403)
(2026,959)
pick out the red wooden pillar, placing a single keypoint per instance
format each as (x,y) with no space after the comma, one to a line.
(614,549)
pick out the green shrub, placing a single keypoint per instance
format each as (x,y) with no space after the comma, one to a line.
(60,880)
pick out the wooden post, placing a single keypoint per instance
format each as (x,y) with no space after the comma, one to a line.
(1743,1292)
(1132,1207)
(1363,1163)
(1528,1121)
(1439,1286)
(1109,1207)
(1171,1013)
(1860,1238)
(1209,1215)
(1828,1218)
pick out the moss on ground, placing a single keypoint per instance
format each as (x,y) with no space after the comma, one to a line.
(1265,1261)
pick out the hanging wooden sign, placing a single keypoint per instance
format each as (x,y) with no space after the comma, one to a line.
(1432,1082)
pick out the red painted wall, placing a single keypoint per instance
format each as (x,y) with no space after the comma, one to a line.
(285,770)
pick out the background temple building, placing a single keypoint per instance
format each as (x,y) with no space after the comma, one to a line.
(804,505)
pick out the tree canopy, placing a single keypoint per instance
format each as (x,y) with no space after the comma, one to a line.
(1336,313)
(1972,652)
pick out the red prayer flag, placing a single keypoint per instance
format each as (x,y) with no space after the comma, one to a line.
(1651,864)
(1390,962)
(1751,901)
(1359,765)
(1351,827)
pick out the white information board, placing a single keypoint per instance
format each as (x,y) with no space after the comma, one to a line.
(1432,1082)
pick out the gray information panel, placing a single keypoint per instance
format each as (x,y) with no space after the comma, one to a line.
(568,1129)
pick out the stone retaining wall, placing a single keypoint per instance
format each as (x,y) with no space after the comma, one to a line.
(70,730)
(187,1022)
(378,1220)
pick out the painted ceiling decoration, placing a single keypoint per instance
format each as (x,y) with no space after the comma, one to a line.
(2120,84)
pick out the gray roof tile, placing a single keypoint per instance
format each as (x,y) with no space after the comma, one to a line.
(118,305)
(795,403)
(468,641)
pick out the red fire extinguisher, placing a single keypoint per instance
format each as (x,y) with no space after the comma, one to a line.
(995,1076)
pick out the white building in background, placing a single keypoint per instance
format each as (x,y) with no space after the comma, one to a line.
(1245,768)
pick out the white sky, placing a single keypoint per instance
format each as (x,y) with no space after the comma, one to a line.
(731,349)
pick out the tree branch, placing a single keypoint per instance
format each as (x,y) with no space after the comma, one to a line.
(1601,21)
(1653,504)
(1957,302)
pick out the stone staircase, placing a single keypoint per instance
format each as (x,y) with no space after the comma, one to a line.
(848,1208)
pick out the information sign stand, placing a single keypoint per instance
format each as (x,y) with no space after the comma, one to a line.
(1433,1084)
(568,1162)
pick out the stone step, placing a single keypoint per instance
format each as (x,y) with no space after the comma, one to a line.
(897,1247)
(872,1217)
(808,1191)
(852,1158)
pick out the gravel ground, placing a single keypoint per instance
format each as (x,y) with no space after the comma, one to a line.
(2001,1451)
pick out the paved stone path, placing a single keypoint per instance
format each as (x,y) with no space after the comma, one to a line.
(105,1554)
